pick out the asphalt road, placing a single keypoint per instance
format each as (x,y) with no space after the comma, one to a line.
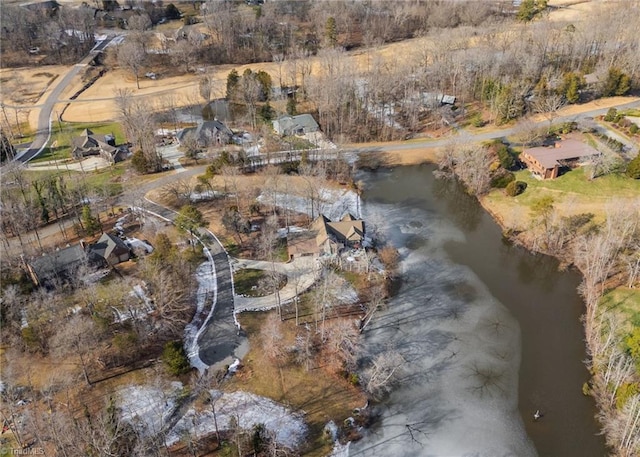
(43,133)
(479,137)
(220,341)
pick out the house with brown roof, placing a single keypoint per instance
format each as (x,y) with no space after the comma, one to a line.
(327,237)
(111,249)
(546,162)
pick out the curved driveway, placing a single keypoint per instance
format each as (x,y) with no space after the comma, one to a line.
(221,339)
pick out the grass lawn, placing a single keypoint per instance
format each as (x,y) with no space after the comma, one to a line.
(105,181)
(572,192)
(625,302)
(319,394)
(250,282)
(64,132)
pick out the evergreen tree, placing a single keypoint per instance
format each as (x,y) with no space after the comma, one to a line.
(617,83)
(175,357)
(633,169)
(89,221)
(267,113)
(291,106)
(331,31)
(572,83)
(232,82)
(7,151)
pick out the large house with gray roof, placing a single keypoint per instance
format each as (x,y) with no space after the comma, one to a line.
(91,144)
(295,125)
(207,133)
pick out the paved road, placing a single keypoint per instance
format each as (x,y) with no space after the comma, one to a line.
(221,340)
(43,133)
(478,137)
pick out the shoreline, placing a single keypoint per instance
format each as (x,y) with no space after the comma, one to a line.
(417,157)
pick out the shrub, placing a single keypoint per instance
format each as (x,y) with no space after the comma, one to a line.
(139,162)
(633,169)
(625,392)
(501,181)
(611,115)
(507,160)
(175,358)
(515,188)
(477,120)
(633,129)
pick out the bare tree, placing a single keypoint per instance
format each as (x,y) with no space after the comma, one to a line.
(139,126)
(76,336)
(131,55)
(383,372)
(548,106)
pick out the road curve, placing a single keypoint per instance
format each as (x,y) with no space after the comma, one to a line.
(220,340)
(43,133)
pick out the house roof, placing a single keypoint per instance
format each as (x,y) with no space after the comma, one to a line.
(107,245)
(301,243)
(59,262)
(563,150)
(347,229)
(205,131)
(90,143)
(288,124)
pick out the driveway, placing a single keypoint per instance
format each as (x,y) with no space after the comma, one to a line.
(301,274)
(220,340)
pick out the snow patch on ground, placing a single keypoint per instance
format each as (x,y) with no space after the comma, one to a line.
(148,408)
(146,306)
(288,427)
(344,292)
(135,243)
(207,292)
(206,195)
(283,232)
(119,226)
(340,450)
(333,203)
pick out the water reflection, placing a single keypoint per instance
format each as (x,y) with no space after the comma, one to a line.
(459,393)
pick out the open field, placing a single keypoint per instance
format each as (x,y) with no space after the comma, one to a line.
(572,193)
(96,104)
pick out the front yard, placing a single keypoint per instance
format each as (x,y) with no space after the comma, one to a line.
(572,192)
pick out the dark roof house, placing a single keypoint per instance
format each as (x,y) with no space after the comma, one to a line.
(208,133)
(59,266)
(295,125)
(110,248)
(90,144)
(546,162)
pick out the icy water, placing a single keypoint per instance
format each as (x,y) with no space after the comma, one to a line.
(489,332)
